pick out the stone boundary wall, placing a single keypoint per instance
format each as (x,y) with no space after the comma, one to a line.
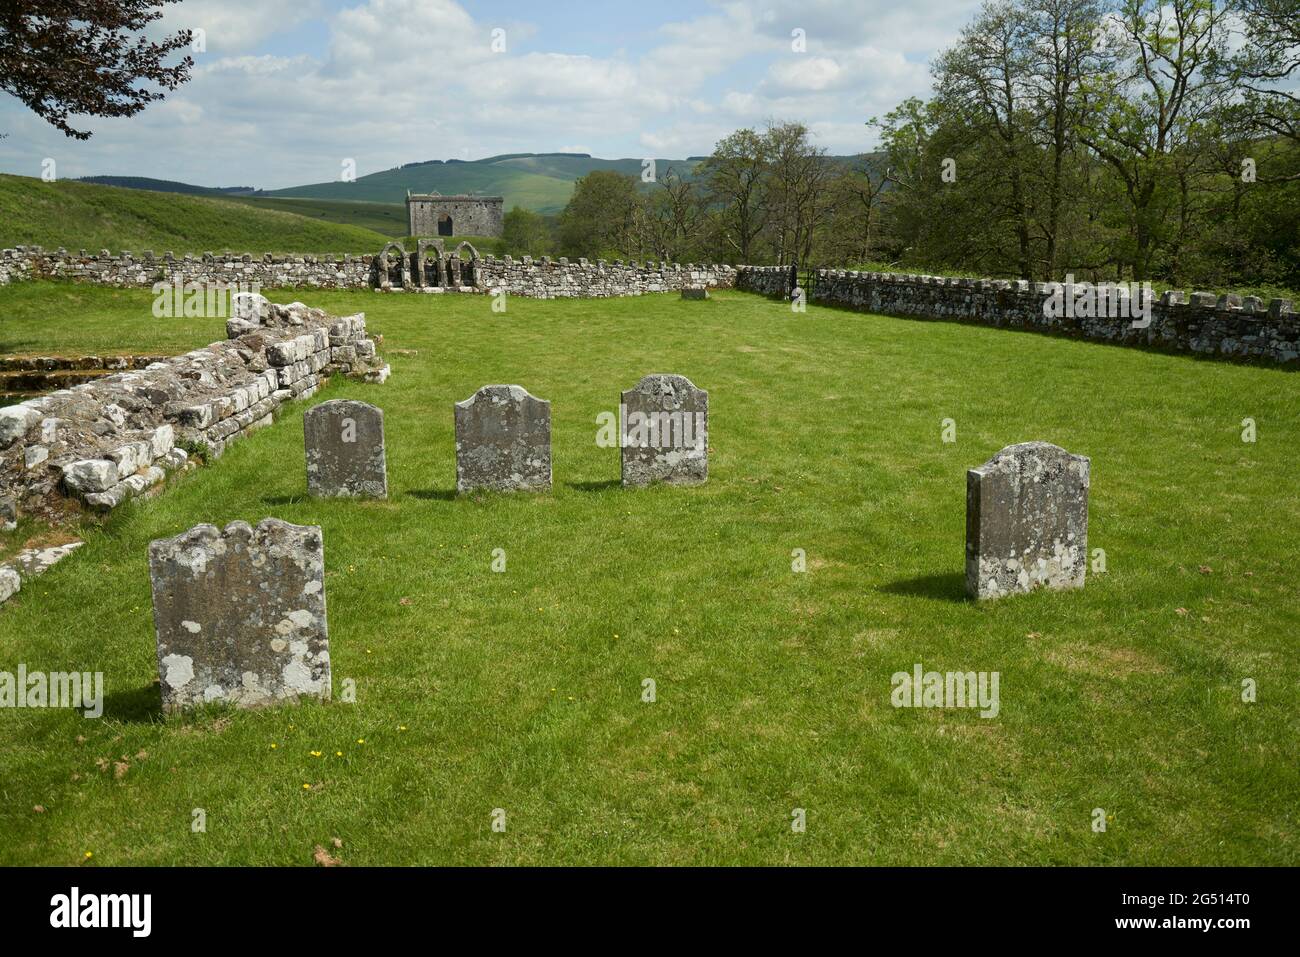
(543,278)
(1225,326)
(126,269)
(103,442)
(764,280)
(547,278)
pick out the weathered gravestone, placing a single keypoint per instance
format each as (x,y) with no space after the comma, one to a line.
(665,432)
(240,614)
(503,440)
(691,292)
(344,440)
(1026,521)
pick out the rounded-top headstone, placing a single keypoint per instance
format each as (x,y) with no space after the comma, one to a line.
(665,431)
(344,442)
(503,440)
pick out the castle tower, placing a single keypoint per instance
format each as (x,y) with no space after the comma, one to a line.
(431,214)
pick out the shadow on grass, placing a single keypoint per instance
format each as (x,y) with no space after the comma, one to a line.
(434,494)
(141,705)
(946,586)
(595,486)
(283,499)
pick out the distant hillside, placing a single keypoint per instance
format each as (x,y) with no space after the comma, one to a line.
(86,216)
(539,181)
(164,185)
(388,219)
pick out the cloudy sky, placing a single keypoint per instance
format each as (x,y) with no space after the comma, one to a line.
(289,89)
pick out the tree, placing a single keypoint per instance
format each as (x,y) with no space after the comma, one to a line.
(525,233)
(794,185)
(1153,107)
(855,200)
(1268,60)
(598,216)
(734,177)
(1062,57)
(65,58)
(669,221)
(983,82)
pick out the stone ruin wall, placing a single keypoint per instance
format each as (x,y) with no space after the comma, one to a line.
(101,443)
(1223,326)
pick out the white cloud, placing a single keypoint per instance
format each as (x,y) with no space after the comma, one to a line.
(235,26)
(407,80)
(805,73)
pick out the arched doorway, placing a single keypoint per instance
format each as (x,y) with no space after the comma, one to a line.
(444,225)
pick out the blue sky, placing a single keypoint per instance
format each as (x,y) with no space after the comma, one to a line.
(287,91)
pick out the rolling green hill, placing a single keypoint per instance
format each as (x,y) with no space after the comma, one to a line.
(164,185)
(542,182)
(85,216)
(538,181)
(520,188)
(387,219)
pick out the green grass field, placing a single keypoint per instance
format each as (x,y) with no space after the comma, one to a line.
(523,690)
(87,216)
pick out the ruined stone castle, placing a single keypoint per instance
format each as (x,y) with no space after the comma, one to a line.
(436,215)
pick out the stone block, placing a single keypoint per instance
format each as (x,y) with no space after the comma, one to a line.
(90,475)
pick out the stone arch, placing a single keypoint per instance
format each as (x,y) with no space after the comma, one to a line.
(464,273)
(430,272)
(383,266)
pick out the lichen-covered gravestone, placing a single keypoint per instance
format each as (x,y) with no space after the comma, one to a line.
(344,440)
(692,292)
(240,614)
(503,440)
(665,432)
(1026,521)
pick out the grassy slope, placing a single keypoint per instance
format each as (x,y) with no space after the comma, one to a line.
(539,183)
(108,322)
(542,193)
(522,690)
(86,216)
(386,219)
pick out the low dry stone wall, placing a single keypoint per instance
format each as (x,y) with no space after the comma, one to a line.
(764,280)
(559,278)
(103,442)
(1226,326)
(127,269)
(432,270)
